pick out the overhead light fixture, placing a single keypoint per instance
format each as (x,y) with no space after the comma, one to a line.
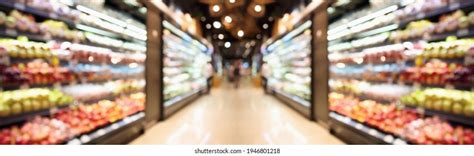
(258,8)
(220,36)
(240,33)
(270,19)
(231,1)
(216,8)
(265,26)
(208,26)
(217,24)
(259,36)
(228,19)
(227,44)
(203,18)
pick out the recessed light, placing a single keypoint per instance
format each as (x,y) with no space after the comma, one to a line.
(265,26)
(221,36)
(208,26)
(270,19)
(231,1)
(259,36)
(258,8)
(228,19)
(227,44)
(240,33)
(203,18)
(217,24)
(216,8)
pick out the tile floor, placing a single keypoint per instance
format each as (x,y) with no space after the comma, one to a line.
(237,116)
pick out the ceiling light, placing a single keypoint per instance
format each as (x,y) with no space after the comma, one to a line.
(208,26)
(221,36)
(231,1)
(216,8)
(259,36)
(217,24)
(227,44)
(203,18)
(270,19)
(265,26)
(228,19)
(258,8)
(240,33)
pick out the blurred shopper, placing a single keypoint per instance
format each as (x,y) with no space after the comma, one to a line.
(236,73)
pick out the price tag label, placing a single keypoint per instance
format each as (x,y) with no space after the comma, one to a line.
(462,32)
(420,110)
(57,85)
(53,16)
(19,6)
(11,32)
(454,6)
(420,15)
(24,86)
(388,138)
(416,85)
(449,86)
(468,60)
(53,110)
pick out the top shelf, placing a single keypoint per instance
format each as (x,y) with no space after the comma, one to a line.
(72,24)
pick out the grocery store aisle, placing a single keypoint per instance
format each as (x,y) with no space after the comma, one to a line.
(236,116)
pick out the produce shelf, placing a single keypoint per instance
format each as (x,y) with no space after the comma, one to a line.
(460,119)
(6,121)
(114,128)
(179,98)
(439,11)
(21,7)
(296,102)
(369,135)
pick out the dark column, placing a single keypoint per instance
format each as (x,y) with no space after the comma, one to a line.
(320,65)
(153,66)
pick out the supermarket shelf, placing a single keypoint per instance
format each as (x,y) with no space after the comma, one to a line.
(297,103)
(459,119)
(13,33)
(30,10)
(354,132)
(119,132)
(468,32)
(178,102)
(6,121)
(439,11)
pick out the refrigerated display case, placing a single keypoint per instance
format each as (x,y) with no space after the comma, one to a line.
(187,68)
(65,80)
(287,69)
(403,74)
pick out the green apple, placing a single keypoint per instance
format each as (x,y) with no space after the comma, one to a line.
(27,106)
(469,110)
(447,105)
(457,108)
(16,108)
(35,105)
(4,110)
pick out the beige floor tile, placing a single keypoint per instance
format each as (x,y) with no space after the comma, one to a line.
(237,116)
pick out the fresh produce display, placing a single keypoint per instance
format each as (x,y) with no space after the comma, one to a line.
(424,66)
(288,66)
(61,77)
(25,49)
(446,100)
(36,72)
(28,100)
(71,122)
(51,28)
(186,65)
(400,122)
(83,92)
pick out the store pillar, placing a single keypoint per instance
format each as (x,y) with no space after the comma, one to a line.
(152,65)
(320,65)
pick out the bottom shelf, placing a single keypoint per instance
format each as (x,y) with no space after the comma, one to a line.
(354,132)
(176,103)
(130,125)
(299,104)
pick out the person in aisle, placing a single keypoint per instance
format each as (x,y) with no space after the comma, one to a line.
(236,73)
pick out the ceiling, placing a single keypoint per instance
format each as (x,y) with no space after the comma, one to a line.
(246,16)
